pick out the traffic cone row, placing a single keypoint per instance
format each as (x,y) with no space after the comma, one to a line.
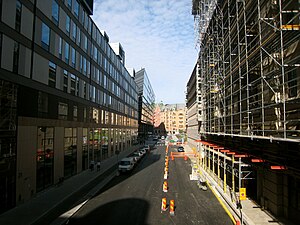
(165,188)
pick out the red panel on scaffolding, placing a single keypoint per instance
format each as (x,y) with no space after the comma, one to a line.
(278,168)
(257,160)
(225,150)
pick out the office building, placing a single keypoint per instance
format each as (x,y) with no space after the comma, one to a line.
(146,104)
(65,96)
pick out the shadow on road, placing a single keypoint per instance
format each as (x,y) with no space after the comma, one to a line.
(126,212)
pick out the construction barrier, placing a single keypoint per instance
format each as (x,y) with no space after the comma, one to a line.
(166,169)
(172,207)
(164,204)
(166,176)
(165,186)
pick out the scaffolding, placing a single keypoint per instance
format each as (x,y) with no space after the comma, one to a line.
(248,78)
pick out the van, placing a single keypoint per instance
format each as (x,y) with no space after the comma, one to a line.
(126,164)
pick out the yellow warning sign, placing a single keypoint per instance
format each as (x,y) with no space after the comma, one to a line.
(243,194)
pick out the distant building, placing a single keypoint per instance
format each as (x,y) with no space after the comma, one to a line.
(146,104)
(173,116)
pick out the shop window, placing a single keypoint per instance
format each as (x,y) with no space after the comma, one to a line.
(44,158)
(70,152)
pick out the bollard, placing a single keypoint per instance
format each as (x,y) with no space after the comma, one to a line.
(172,207)
(165,186)
(185,157)
(164,204)
(237,222)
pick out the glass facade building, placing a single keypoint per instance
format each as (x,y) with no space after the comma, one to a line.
(146,104)
(65,96)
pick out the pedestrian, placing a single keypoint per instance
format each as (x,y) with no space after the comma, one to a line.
(92,164)
(98,166)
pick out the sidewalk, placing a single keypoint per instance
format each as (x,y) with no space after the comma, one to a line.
(252,213)
(33,211)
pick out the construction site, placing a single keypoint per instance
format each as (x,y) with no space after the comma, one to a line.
(243,99)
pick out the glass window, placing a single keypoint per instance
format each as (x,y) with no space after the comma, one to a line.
(67,52)
(62,111)
(45,36)
(76,8)
(73,56)
(44,158)
(70,151)
(84,65)
(55,11)
(52,75)
(66,81)
(69,3)
(75,112)
(68,23)
(16,57)
(84,149)
(18,15)
(74,31)
(60,47)
(85,43)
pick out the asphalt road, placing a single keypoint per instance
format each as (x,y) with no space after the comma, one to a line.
(135,198)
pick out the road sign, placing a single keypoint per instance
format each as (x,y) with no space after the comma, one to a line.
(243,194)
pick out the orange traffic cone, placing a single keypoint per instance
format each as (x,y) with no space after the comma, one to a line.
(172,207)
(164,204)
(165,186)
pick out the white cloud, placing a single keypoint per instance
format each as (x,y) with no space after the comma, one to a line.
(157,35)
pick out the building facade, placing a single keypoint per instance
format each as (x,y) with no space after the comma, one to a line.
(65,96)
(173,116)
(248,90)
(146,104)
(192,115)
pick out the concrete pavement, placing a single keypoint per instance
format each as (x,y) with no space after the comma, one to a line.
(36,210)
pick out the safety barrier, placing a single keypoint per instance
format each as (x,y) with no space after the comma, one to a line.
(165,186)
(164,204)
(172,207)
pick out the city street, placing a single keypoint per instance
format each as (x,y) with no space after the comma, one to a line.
(135,198)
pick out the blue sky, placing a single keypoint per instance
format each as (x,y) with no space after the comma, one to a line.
(157,35)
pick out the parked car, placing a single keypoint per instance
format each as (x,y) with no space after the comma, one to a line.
(180,149)
(126,164)
(143,151)
(137,155)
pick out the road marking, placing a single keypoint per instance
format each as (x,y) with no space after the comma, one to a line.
(195,200)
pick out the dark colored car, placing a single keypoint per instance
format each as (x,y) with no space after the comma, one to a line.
(180,149)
